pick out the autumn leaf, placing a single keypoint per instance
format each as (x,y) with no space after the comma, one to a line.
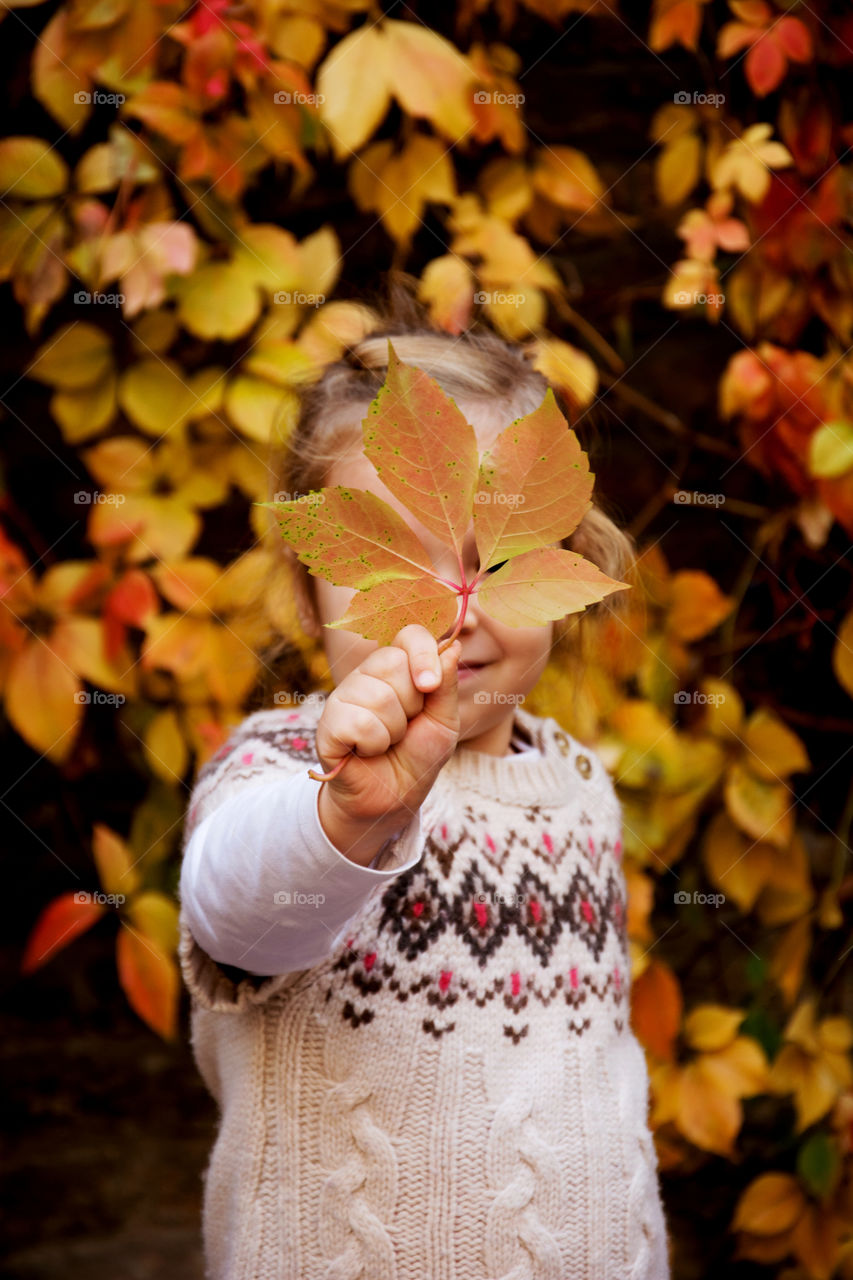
(528,491)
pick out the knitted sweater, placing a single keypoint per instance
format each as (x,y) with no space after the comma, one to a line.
(443,1084)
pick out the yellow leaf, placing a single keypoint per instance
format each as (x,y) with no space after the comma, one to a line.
(677,169)
(268,256)
(789,893)
(353,84)
(430,77)
(842,654)
(724,714)
(155,396)
(116,870)
(568,179)
(763,810)
(737,866)
(769,1205)
(30,169)
(188,584)
(710,1118)
(696,605)
(746,163)
(740,1069)
(260,410)
(788,964)
(75,357)
(219,300)
(83,413)
(320,262)
(165,747)
(775,750)
(567,368)
(156,916)
(447,287)
(41,700)
(712,1026)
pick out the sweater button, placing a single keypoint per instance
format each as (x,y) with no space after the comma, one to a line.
(583,766)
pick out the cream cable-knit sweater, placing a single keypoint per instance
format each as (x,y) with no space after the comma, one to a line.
(448,1088)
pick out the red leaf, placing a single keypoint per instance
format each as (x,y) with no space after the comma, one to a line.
(62,920)
(765,66)
(794,38)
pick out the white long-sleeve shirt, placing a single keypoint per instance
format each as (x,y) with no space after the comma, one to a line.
(263,888)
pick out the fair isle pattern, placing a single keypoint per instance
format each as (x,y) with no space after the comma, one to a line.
(455,1092)
(452,897)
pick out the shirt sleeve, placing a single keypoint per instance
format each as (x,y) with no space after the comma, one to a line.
(262,887)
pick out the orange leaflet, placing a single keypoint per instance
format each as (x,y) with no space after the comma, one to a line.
(526,493)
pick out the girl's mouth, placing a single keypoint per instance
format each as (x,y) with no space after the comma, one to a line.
(466,670)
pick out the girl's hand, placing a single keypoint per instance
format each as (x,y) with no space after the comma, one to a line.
(402,728)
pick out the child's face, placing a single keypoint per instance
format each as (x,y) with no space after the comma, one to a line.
(513,657)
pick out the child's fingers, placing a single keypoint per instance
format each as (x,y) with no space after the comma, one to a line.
(422,649)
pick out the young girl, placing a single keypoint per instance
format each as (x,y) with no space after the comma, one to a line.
(410,984)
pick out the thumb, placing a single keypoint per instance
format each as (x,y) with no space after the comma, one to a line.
(442,704)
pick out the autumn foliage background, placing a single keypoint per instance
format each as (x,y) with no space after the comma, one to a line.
(194,206)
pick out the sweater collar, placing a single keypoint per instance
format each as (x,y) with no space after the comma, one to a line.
(543,777)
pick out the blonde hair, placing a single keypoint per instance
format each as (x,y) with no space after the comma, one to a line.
(475,367)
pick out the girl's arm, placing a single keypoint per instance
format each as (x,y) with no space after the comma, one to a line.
(264,889)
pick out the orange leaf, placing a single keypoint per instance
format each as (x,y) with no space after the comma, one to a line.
(656,1009)
(769,1205)
(62,920)
(710,1117)
(150,981)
